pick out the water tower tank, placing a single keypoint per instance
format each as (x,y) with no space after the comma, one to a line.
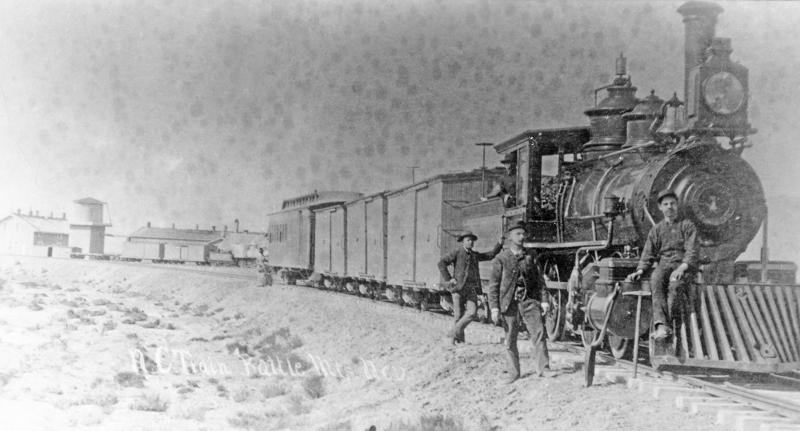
(87,211)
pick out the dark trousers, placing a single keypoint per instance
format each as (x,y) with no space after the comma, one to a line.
(669,297)
(530,312)
(465,306)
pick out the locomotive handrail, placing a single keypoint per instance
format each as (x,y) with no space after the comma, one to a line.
(628,150)
(587,217)
(647,213)
(580,245)
(564,245)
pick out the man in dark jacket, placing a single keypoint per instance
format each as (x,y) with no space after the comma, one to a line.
(673,243)
(465,284)
(515,290)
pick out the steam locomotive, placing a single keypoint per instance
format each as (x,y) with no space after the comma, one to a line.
(588,234)
(588,197)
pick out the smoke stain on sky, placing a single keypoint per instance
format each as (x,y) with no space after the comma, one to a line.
(202,113)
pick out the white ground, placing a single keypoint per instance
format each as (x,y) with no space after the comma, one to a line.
(69,330)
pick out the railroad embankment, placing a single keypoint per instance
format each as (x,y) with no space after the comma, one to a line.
(103,345)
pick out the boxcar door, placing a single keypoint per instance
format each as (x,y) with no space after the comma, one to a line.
(400,246)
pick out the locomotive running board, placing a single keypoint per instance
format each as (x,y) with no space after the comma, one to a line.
(747,327)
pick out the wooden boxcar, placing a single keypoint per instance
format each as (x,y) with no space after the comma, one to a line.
(142,251)
(291,232)
(366,243)
(484,219)
(330,250)
(423,222)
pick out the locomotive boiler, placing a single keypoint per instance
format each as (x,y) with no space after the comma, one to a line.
(588,195)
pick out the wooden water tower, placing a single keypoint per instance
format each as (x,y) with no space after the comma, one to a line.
(87,229)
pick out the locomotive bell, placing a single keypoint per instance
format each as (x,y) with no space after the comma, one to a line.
(672,114)
(641,118)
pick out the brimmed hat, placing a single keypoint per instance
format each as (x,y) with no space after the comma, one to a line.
(666,193)
(467,234)
(518,225)
(509,158)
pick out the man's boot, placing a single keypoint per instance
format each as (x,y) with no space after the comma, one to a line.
(450,338)
(512,363)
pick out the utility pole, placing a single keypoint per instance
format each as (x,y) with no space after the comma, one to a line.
(413,168)
(483,167)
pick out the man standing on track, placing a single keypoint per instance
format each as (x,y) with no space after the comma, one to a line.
(465,285)
(515,290)
(264,271)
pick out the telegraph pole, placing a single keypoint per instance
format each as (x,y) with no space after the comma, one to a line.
(483,167)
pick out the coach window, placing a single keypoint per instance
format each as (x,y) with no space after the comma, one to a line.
(549,187)
(522,176)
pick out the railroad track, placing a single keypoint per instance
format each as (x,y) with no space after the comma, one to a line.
(740,401)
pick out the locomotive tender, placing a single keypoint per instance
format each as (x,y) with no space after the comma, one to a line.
(588,196)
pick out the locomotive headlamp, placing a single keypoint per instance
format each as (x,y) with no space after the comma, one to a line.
(717,93)
(723,93)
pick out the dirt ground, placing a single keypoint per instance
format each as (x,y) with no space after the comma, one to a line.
(99,345)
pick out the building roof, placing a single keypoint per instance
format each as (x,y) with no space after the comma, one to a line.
(548,140)
(42,224)
(319,199)
(177,234)
(450,177)
(88,200)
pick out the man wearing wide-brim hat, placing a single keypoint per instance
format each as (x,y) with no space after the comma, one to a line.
(516,291)
(672,245)
(465,283)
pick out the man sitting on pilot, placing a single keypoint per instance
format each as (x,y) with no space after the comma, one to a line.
(672,243)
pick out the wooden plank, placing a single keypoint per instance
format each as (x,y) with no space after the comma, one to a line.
(758,324)
(743,326)
(708,335)
(694,328)
(766,318)
(685,354)
(786,321)
(781,321)
(742,354)
(673,363)
(794,310)
(719,326)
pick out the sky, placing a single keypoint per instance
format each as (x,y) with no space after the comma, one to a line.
(201,112)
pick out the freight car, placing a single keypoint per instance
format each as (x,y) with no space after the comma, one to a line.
(138,251)
(386,244)
(193,246)
(291,232)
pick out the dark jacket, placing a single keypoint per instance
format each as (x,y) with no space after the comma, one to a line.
(507,269)
(465,265)
(670,243)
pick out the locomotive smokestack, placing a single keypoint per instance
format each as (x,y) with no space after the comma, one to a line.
(700,20)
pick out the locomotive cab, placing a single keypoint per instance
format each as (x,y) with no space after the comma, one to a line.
(537,195)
